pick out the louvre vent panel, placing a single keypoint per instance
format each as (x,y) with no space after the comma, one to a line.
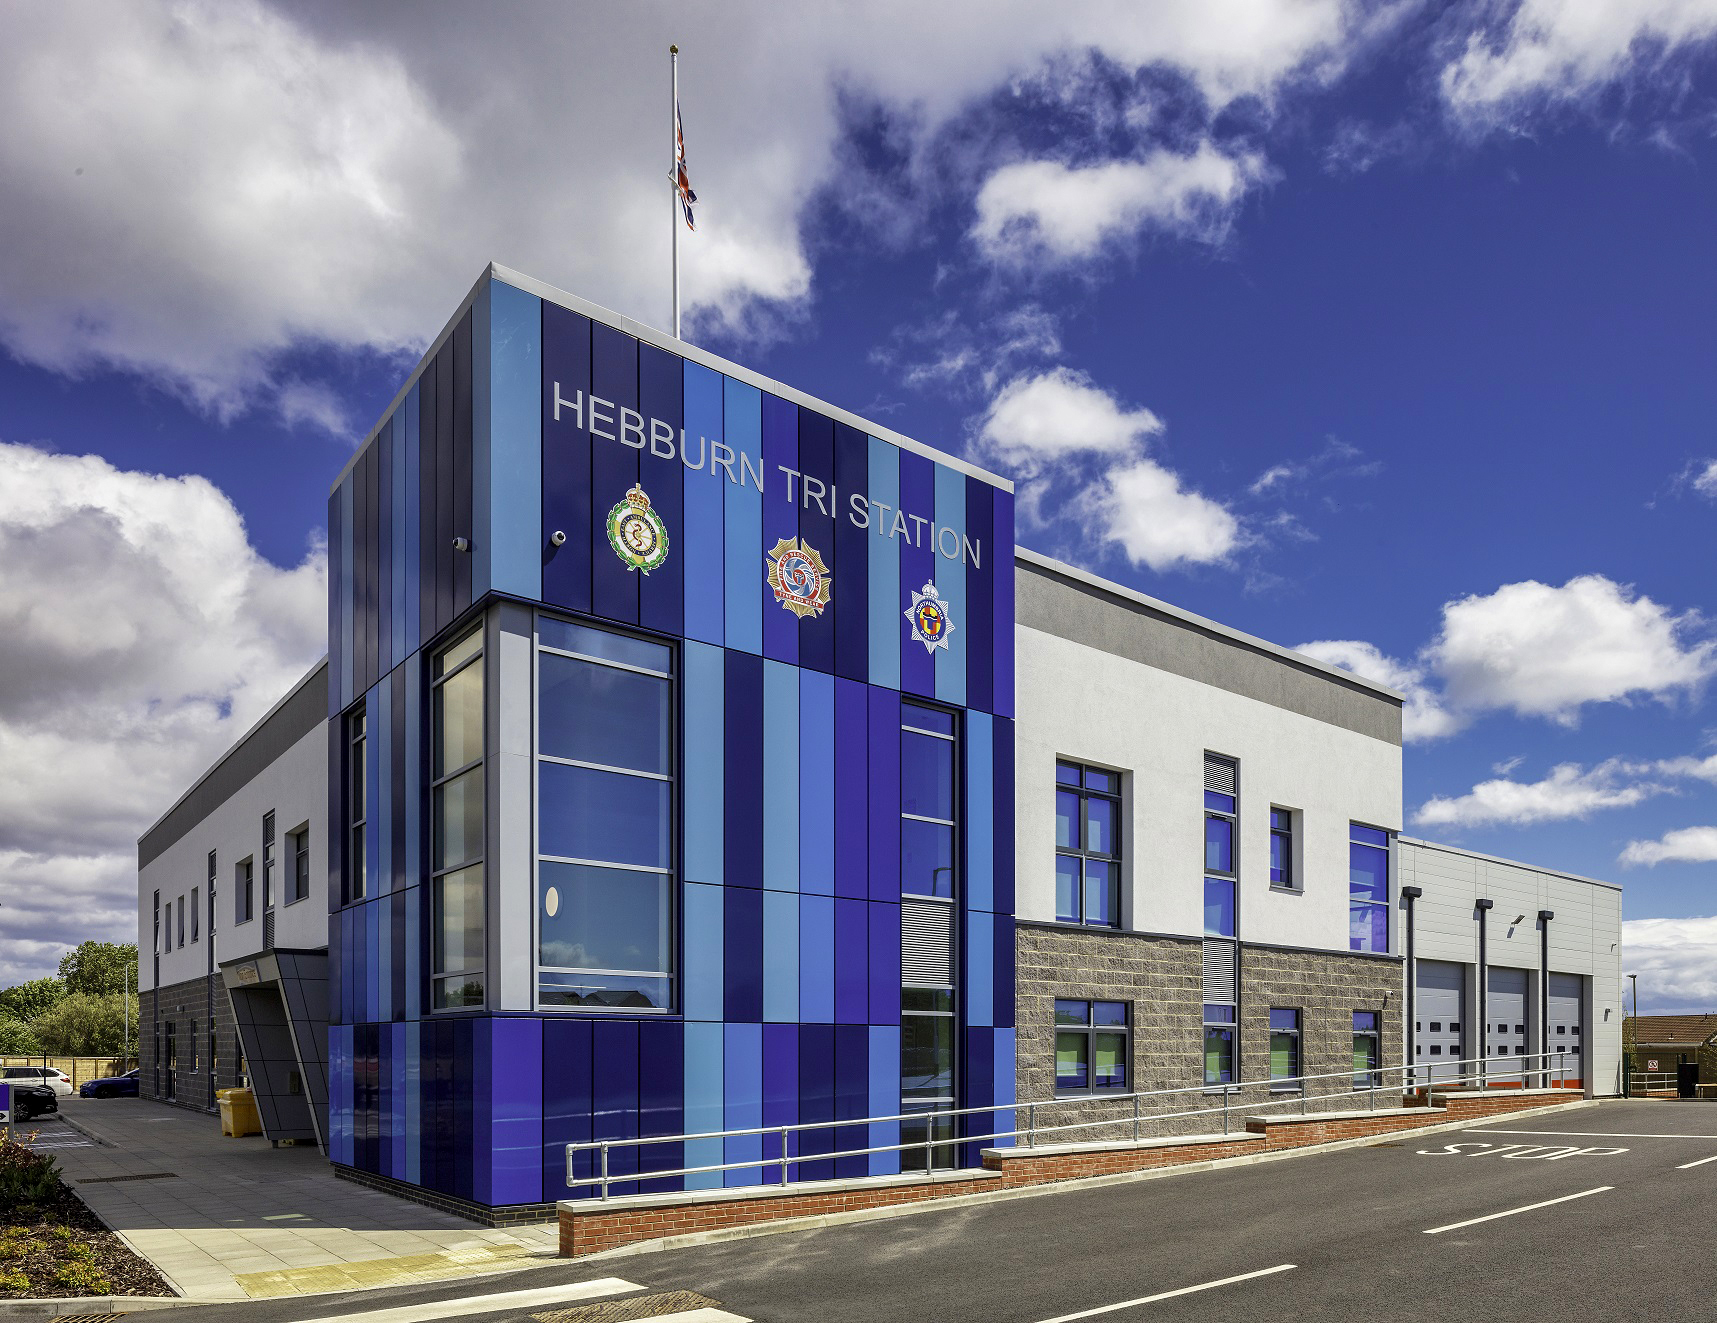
(1219,973)
(1219,774)
(926,943)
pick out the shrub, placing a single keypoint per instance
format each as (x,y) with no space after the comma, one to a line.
(14,1281)
(26,1177)
(83,1276)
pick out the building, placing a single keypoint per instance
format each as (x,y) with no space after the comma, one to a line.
(669,780)
(1660,1044)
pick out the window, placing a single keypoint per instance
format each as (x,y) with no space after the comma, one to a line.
(605,787)
(196,912)
(212,875)
(926,1074)
(457,891)
(298,847)
(1284,1048)
(1087,845)
(928,788)
(181,927)
(157,912)
(1366,1050)
(357,805)
(193,1044)
(1218,1044)
(244,897)
(1367,888)
(1221,827)
(1090,1046)
(268,860)
(1282,874)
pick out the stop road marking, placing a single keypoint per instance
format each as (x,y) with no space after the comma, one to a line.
(1547,1152)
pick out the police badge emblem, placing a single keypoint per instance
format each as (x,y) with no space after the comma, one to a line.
(929,616)
(799,578)
(636,532)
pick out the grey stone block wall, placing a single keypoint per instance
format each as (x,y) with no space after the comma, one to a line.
(200,1001)
(1326,988)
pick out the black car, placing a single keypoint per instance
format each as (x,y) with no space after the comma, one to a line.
(32,1100)
(113,1086)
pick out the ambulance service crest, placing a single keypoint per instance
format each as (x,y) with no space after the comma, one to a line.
(636,532)
(928,615)
(798,577)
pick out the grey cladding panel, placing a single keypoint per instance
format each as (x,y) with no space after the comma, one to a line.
(1087,615)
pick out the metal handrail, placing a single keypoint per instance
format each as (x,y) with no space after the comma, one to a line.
(1292,1086)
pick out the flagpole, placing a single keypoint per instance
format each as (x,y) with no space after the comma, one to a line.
(673,176)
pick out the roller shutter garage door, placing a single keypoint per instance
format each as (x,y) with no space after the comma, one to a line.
(1438,1010)
(1505,1034)
(1566,1023)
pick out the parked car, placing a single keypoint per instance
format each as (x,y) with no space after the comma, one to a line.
(32,1100)
(113,1086)
(57,1080)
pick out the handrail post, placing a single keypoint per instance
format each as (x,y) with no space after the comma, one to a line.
(929,1149)
(1031,1125)
(1225,1109)
(604,1169)
(783,1155)
(1136,1102)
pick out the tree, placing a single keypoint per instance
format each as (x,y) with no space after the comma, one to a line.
(28,1000)
(16,1040)
(84,1025)
(100,968)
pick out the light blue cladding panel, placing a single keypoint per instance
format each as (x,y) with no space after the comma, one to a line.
(413,522)
(816,959)
(780,956)
(886,608)
(515,1101)
(742,1091)
(781,803)
(884,1096)
(705,690)
(705,1101)
(980,812)
(483,522)
(951,582)
(704,933)
(1004,1084)
(816,782)
(514,419)
(978,994)
(706,617)
(347,605)
(742,514)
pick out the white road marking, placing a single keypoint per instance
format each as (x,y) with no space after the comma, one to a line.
(1702,1161)
(704,1315)
(1584,1134)
(487,1304)
(1520,1152)
(1524,1208)
(1170,1295)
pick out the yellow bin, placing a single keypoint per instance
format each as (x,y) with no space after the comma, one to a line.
(238,1112)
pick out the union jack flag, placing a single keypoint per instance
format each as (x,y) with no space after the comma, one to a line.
(682,180)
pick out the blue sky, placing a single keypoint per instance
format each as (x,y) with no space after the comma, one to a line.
(1384,329)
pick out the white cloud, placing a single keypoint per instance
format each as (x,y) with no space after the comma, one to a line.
(1556,51)
(1676,960)
(194,188)
(1569,791)
(1702,477)
(140,633)
(1423,716)
(1039,419)
(1033,211)
(1686,845)
(1161,524)
(1545,651)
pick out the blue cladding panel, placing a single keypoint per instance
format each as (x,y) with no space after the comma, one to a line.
(661,1097)
(817,530)
(978,1071)
(616,1095)
(706,1109)
(816,783)
(703,981)
(884,832)
(487,1161)
(951,582)
(852,828)
(400,470)
(816,1095)
(515,441)
(395,1113)
(780,1084)
(742,515)
(884,990)
(661,593)
(705,614)
(886,604)
(780,956)
(1002,595)
(1003,992)
(1004,1084)
(783,808)
(816,959)
(980,844)
(980,594)
(705,742)
(482,448)
(742,954)
(1002,742)
(517,1105)
(742,1090)
(780,516)
(743,771)
(852,553)
(884,1095)
(980,968)
(413,569)
(852,1095)
(917,565)
(566,459)
(613,466)
(567,1090)
(413,1128)
(348,602)
(852,962)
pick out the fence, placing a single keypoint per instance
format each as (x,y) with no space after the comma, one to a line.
(1131,1116)
(81,1069)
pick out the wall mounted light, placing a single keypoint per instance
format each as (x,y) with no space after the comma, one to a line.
(557,538)
(461,544)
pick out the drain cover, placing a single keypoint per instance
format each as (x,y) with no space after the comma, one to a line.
(638,1307)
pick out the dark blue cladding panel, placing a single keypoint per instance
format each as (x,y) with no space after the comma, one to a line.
(384,449)
(1003,1009)
(852,1095)
(979,1075)
(980,622)
(464,1109)
(613,465)
(336,639)
(815,498)
(447,464)
(852,826)
(616,1095)
(661,1097)
(486,1109)
(742,955)
(742,794)
(883,721)
(429,502)
(780,518)
(780,1085)
(852,554)
(661,388)
(852,962)
(917,565)
(566,1104)
(816,1096)
(397,937)
(1004,815)
(566,458)
(395,754)
(463,523)
(360,574)
(1002,584)
(884,981)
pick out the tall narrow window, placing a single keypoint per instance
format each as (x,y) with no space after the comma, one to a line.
(211,892)
(456,814)
(181,926)
(157,923)
(1218,1044)
(196,912)
(357,809)
(268,860)
(928,787)
(298,846)
(1284,1048)
(1221,827)
(244,892)
(1087,845)
(926,1075)
(605,789)
(1282,850)
(1367,889)
(1366,1055)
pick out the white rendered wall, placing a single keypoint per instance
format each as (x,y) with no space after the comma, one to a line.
(295,787)
(1081,703)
